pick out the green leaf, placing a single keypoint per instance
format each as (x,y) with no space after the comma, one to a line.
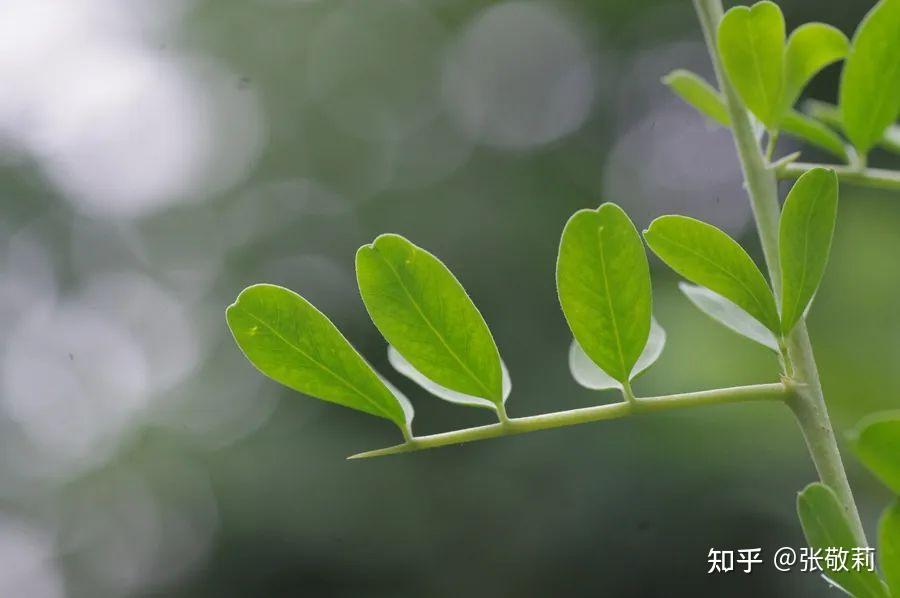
(889,546)
(751,44)
(707,101)
(707,256)
(406,368)
(729,315)
(810,48)
(804,239)
(877,444)
(870,83)
(603,281)
(831,116)
(825,525)
(587,374)
(424,312)
(695,91)
(815,133)
(292,342)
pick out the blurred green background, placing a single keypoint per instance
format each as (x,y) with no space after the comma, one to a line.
(156,156)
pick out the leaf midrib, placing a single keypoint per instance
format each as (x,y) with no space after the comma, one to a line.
(612,315)
(431,327)
(331,372)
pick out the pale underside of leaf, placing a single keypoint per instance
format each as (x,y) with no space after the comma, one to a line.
(404,367)
(590,375)
(729,315)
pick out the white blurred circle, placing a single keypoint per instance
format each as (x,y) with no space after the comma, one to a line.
(520,76)
(374,67)
(159,324)
(671,162)
(73,380)
(27,562)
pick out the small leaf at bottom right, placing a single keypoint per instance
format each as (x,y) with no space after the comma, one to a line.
(805,232)
(889,546)
(877,444)
(825,525)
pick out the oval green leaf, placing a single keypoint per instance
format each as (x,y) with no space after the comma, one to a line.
(729,315)
(877,444)
(699,94)
(286,338)
(889,546)
(870,82)
(406,368)
(707,256)
(810,48)
(603,281)
(751,45)
(587,374)
(804,238)
(826,526)
(815,133)
(424,312)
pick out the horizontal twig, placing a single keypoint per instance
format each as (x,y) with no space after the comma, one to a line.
(547,421)
(876,178)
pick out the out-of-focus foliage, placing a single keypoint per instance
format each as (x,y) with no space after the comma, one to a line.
(156,157)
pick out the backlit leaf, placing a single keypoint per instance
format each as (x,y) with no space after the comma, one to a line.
(292,342)
(604,288)
(870,83)
(707,256)
(751,45)
(813,132)
(424,312)
(695,91)
(804,238)
(810,48)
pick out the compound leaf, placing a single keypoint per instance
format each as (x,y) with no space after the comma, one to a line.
(889,546)
(877,444)
(286,338)
(729,315)
(587,374)
(707,256)
(825,525)
(804,237)
(870,82)
(751,45)
(810,48)
(424,312)
(603,281)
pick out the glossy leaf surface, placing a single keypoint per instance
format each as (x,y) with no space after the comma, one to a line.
(286,338)
(424,312)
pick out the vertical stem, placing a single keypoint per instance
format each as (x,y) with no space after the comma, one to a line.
(807,403)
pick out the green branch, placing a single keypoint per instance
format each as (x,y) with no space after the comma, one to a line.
(559,419)
(808,404)
(876,178)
